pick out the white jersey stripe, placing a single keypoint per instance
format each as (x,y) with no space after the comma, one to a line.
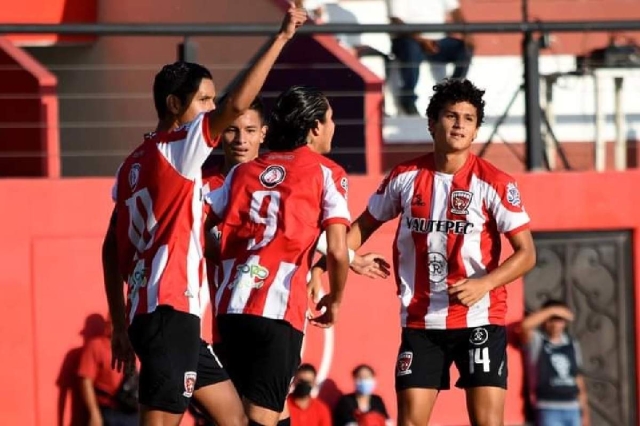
(243,285)
(436,317)
(227,268)
(158,265)
(194,251)
(278,294)
(406,251)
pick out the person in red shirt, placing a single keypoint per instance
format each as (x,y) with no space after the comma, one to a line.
(155,238)
(99,383)
(454,208)
(270,213)
(304,409)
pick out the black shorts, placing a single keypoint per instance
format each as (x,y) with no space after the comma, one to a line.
(425,357)
(174,360)
(261,356)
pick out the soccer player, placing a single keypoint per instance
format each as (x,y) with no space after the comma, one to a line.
(454,207)
(270,213)
(154,242)
(241,142)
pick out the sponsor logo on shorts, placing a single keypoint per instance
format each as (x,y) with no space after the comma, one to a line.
(189,383)
(272,176)
(404,363)
(479,336)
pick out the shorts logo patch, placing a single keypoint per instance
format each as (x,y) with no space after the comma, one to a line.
(189,383)
(272,176)
(404,363)
(460,201)
(479,336)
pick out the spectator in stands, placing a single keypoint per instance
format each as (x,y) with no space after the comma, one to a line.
(362,407)
(556,385)
(411,49)
(304,409)
(100,384)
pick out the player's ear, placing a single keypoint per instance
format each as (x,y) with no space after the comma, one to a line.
(174,105)
(263,133)
(315,131)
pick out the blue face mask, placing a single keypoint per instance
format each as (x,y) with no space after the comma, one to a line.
(365,386)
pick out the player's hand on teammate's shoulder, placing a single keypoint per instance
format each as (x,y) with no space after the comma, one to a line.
(328,309)
(470,291)
(371,265)
(295,17)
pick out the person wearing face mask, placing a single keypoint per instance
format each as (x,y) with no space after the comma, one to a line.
(304,409)
(363,407)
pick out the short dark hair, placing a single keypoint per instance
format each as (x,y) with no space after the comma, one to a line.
(361,367)
(181,79)
(306,367)
(454,90)
(552,303)
(295,112)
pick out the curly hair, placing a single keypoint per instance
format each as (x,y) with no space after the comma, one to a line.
(295,113)
(454,90)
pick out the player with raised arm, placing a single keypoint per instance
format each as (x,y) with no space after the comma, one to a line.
(270,212)
(453,208)
(154,242)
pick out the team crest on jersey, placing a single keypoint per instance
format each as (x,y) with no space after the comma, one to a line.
(513,195)
(479,336)
(189,383)
(272,176)
(404,363)
(460,201)
(134,175)
(438,267)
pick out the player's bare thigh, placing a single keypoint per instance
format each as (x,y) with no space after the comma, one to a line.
(153,417)
(261,415)
(485,405)
(415,406)
(222,403)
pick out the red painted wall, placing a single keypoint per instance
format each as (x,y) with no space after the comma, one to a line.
(50,237)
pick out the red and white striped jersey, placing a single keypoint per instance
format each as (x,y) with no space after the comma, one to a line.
(158,195)
(212,179)
(449,230)
(273,210)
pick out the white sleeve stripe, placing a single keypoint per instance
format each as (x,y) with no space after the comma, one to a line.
(386,206)
(188,155)
(506,220)
(334,204)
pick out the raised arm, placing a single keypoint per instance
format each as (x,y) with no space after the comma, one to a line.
(250,83)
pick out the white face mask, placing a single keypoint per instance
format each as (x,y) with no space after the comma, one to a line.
(365,386)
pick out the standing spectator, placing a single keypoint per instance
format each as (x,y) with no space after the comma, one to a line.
(556,385)
(411,49)
(361,407)
(304,409)
(100,384)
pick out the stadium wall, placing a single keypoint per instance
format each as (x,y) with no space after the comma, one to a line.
(50,237)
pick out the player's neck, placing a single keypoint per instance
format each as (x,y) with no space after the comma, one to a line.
(226,166)
(450,163)
(166,126)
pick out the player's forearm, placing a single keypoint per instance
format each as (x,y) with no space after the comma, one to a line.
(338,268)
(89,397)
(534,320)
(251,82)
(113,281)
(518,264)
